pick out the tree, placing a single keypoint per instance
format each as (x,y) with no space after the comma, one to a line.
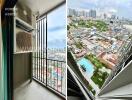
(68,27)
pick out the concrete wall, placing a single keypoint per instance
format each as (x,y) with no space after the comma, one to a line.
(21,68)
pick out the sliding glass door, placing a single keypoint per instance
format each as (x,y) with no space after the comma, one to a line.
(49,65)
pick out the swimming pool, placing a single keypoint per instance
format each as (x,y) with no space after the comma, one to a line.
(86,63)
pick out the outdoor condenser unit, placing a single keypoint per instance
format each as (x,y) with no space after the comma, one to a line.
(24,13)
(23,29)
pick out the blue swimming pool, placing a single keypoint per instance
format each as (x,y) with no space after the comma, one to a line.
(87,64)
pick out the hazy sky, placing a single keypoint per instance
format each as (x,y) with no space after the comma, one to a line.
(122,8)
(57,28)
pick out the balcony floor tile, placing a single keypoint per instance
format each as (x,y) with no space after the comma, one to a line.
(34,91)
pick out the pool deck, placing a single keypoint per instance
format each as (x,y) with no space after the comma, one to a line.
(88,78)
(88,65)
(95,87)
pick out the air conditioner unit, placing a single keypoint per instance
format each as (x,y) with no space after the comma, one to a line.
(23,40)
(23,12)
(23,29)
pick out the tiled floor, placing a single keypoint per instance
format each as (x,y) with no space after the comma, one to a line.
(34,91)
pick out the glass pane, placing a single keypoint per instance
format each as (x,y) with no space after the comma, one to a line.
(56,21)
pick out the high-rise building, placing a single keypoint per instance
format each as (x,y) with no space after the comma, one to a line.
(92,13)
(113,16)
(105,16)
(116,87)
(72,12)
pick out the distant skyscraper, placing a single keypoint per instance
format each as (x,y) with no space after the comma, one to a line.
(87,13)
(105,16)
(113,17)
(79,13)
(92,13)
(72,12)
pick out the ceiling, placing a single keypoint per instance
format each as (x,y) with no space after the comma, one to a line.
(41,5)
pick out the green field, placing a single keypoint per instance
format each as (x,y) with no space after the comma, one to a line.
(100,25)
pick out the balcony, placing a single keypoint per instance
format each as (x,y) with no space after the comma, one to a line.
(41,72)
(28,71)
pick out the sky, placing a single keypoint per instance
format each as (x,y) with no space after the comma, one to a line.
(57,28)
(122,8)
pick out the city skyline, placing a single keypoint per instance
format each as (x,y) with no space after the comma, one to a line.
(110,6)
